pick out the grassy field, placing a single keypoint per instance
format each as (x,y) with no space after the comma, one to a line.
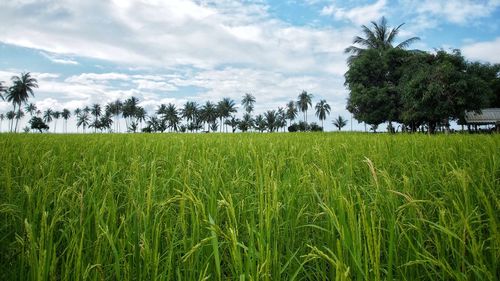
(249,207)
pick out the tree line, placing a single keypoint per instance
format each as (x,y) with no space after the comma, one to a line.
(421,91)
(191,117)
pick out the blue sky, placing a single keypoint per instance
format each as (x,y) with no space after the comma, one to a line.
(95,51)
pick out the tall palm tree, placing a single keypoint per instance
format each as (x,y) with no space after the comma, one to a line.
(56,115)
(380,37)
(172,117)
(260,123)
(19,116)
(96,111)
(19,92)
(246,122)
(31,108)
(271,120)
(65,114)
(2,117)
(303,103)
(209,113)
(115,109)
(77,114)
(291,111)
(10,115)
(129,108)
(83,120)
(140,115)
(190,112)
(225,107)
(3,89)
(322,109)
(248,102)
(340,122)
(47,115)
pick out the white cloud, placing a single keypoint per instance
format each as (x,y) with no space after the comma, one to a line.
(483,51)
(59,60)
(358,15)
(456,11)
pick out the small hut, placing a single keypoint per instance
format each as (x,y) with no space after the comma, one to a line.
(488,116)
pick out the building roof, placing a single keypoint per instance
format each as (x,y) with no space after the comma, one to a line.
(487,116)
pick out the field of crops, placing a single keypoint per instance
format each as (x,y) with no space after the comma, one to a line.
(249,207)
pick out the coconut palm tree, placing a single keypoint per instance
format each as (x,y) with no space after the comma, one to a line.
(272,120)
(260,123)
(233,122)
(190,112)
(248,102)
(3,89)
(10,115)
(96,111)
(171,116)
(303,103)
(56,116)
(322,109)
(380,37)
(2,117)
(224,109)
(129,108)
(19,116)
(19,92)
(140,115)
(47,115)
(115,109)
(340,122)
(31,108)
(65,114)
(291,111)
(246,122)
(209,113)
(83,120)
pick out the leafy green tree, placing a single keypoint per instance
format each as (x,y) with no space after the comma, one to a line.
(322,109)
(373,81)
(340,122)
(437,88)
(37,123)
(304,102)
(380,37)
(19,92)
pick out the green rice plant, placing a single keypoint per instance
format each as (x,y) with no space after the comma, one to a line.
(311,206)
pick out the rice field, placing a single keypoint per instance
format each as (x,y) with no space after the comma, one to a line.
(327,206)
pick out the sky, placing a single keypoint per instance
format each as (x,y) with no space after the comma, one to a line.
(173,51)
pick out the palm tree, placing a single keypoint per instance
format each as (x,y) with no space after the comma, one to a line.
(2,117)
(77,114)
(190,112)
(10,115)
(115,109)
(3,89)
(281,121)
(303,103)
(129,108)
(65,114)
(233,122)
(272,120)
(56,116)
(83,120)
(246,122)
(140,115)
(19,116)
(260,123)
(340,122)
(380,37)
(47,115)
(209,113)
(20,90)
(247,102)
(322,109)
(291,111)
(31,108)
(171,116)
(96,112)
(224,108)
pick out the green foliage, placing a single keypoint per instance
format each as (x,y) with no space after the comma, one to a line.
(249,207)
(37,123)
